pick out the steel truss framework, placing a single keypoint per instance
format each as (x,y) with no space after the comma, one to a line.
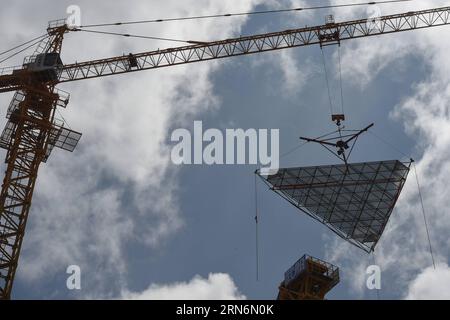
(29,136)
(27,150)
(353,200)
(308,279)
(325,34)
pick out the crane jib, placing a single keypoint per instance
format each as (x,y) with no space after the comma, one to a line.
(329,33)
(323,35)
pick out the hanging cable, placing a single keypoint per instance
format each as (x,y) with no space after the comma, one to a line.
(306,142)
(23,44)
(326,77)
(340,79)
(352,148)
(420,196)
(244,13)
(139,36)
(62,118)
(396,149)
(424,216)
(293,150)
(24,49)
(257,231)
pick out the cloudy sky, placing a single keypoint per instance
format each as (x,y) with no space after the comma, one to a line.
(140,227)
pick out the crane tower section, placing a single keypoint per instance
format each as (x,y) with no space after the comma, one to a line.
(308,279)
(29,136)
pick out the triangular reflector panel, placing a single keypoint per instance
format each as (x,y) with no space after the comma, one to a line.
(353,200)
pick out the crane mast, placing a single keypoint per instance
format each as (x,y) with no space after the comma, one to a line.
(31,122)
(32,130)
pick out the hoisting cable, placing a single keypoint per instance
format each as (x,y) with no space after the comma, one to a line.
(293,150)
(23,44)
(424,216)
(303,144)
(24,49)
(340,79)
(62,118)
(420,196)
(244,13)
(257,231)
(389,144)
(351,149)
(138,36)
(326,77)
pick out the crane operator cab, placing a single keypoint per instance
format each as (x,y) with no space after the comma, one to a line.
(45,66)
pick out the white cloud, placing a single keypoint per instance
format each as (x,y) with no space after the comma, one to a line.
(218,286)
(403,251)
(291,70)
(119,187)
(431,284)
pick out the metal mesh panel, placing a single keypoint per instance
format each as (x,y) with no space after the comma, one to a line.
(60,137)
(355,200)
(6,137)
(19,96)
(64,138)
